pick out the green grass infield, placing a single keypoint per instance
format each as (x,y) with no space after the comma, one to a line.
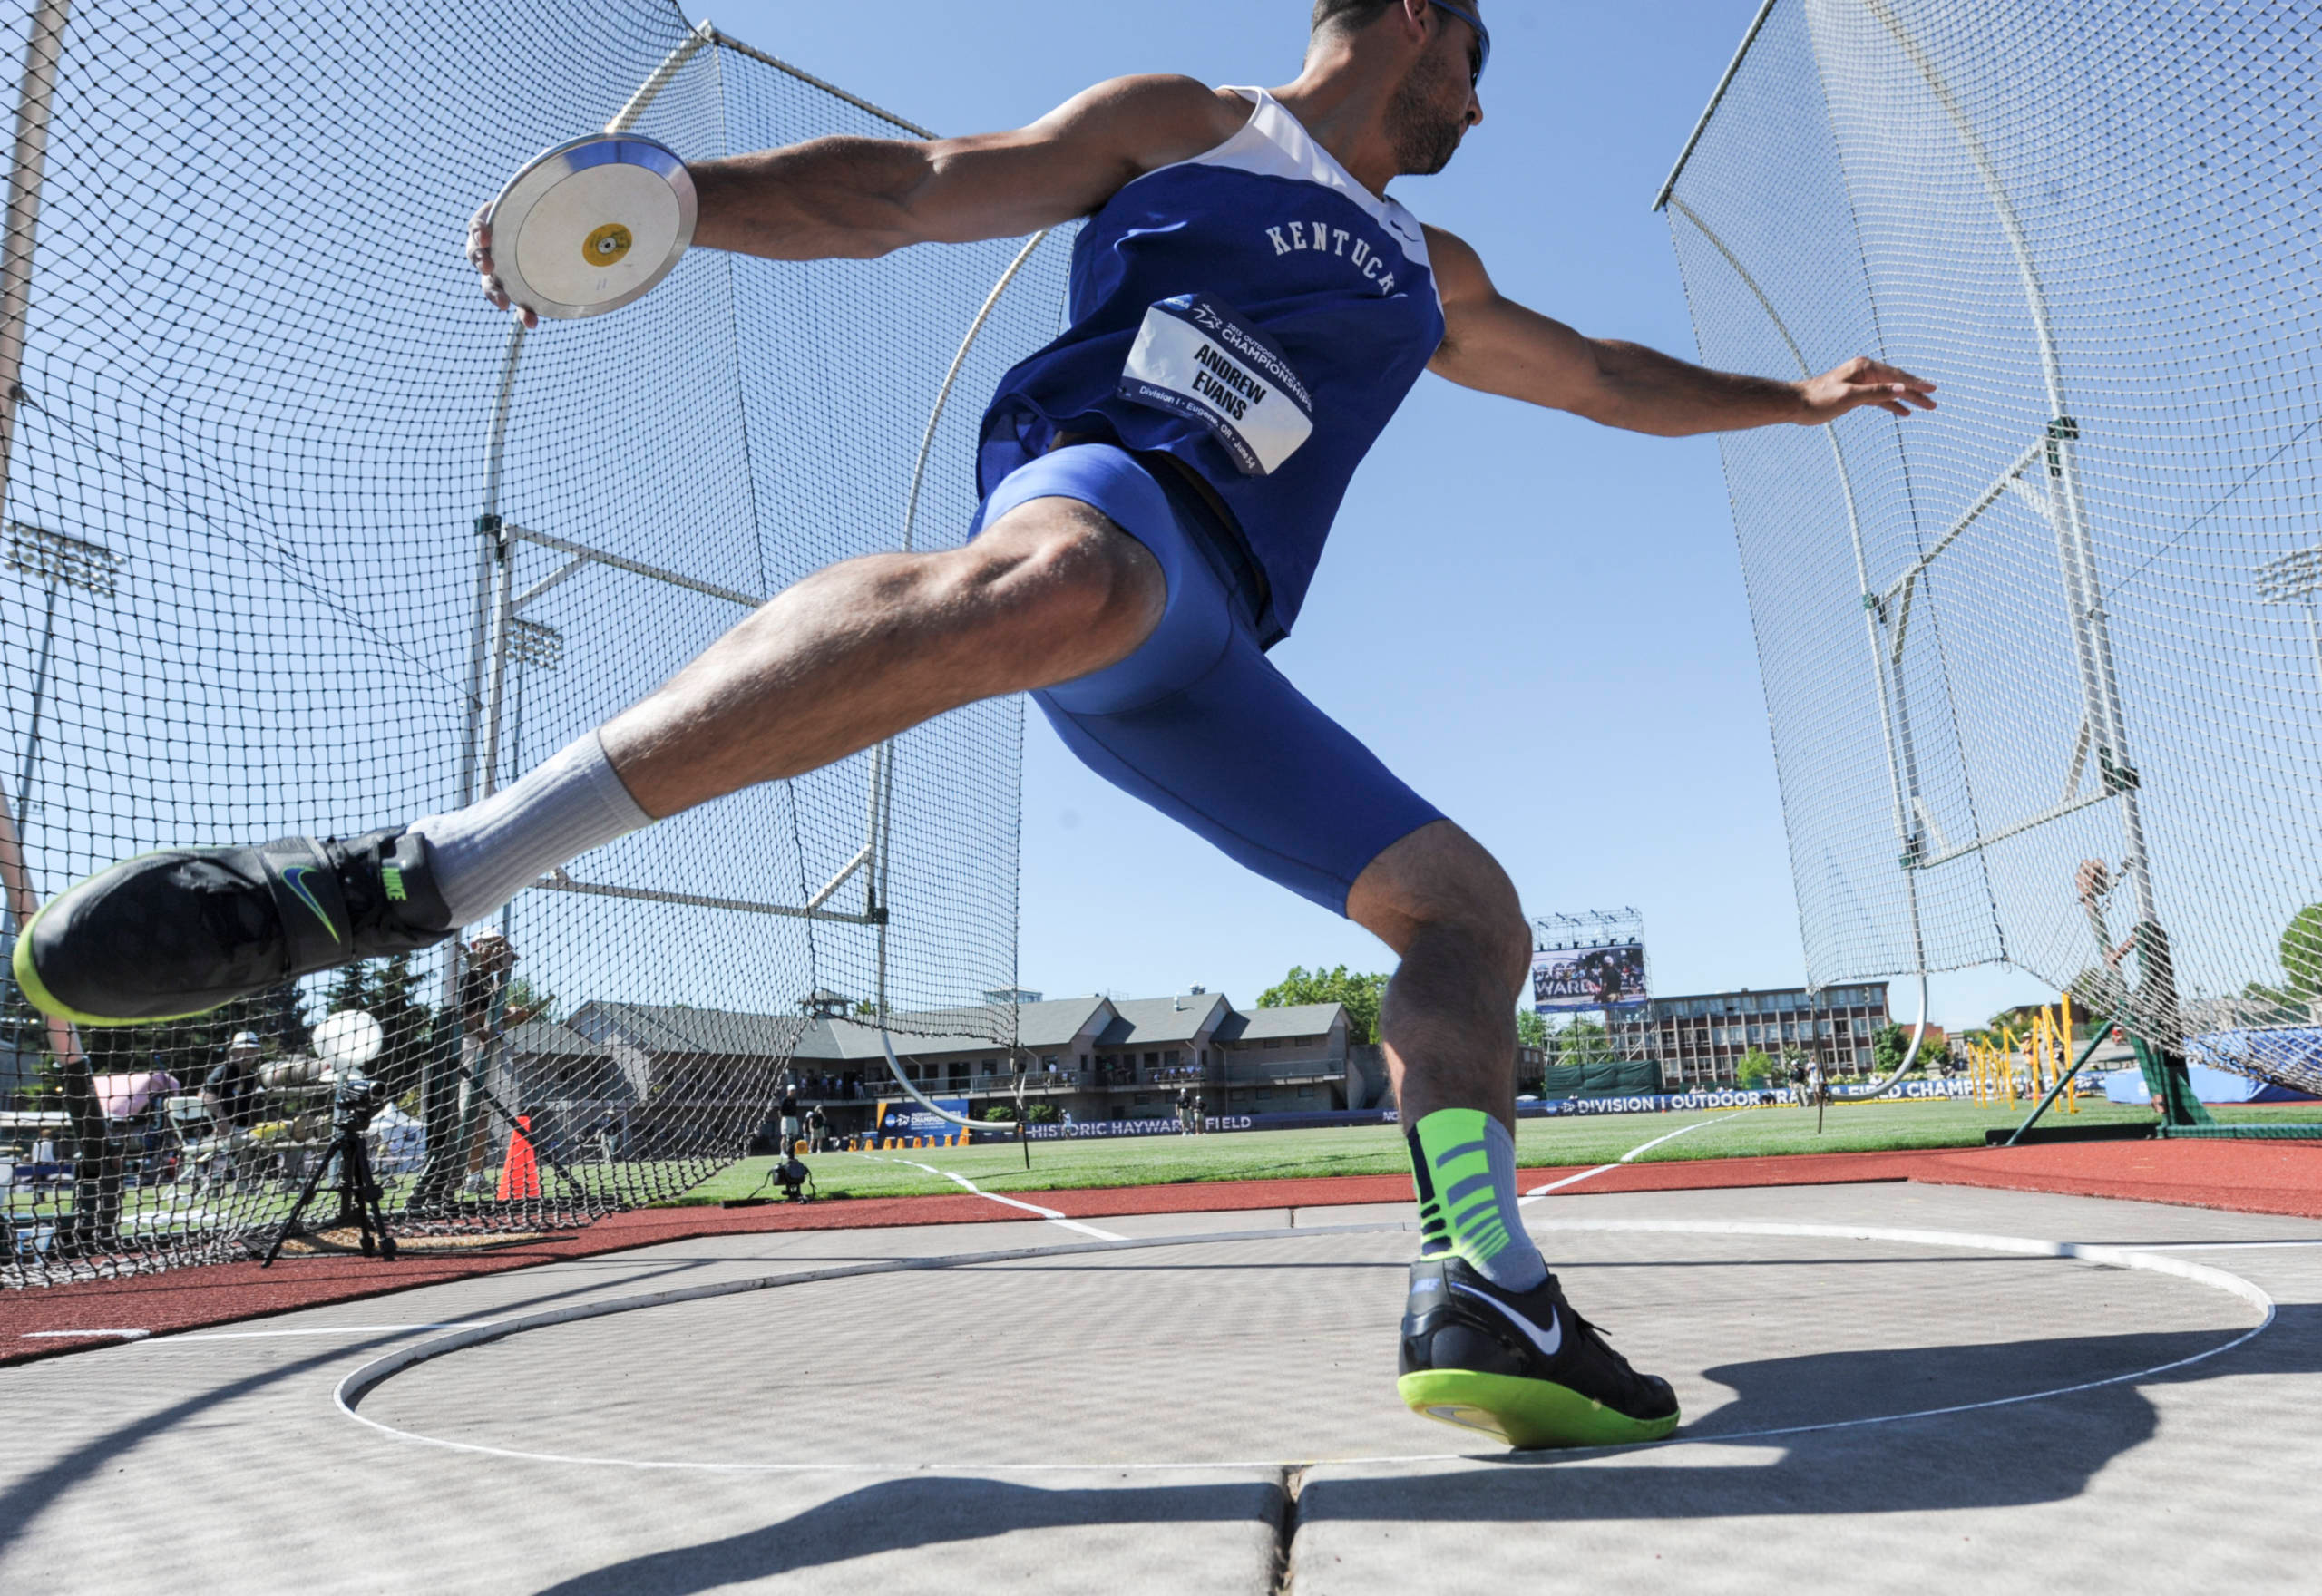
(1267,1155)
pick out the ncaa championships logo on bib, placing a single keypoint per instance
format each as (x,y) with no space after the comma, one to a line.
(1193,358)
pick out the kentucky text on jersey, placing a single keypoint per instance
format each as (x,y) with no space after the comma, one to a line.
(1273,233)
(1363,259)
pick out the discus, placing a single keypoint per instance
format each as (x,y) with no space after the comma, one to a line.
(591,225)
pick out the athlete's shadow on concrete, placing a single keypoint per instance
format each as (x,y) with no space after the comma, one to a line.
(2052,1449)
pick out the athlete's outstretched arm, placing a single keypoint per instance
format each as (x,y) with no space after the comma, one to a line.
(858,198)
(1493,343)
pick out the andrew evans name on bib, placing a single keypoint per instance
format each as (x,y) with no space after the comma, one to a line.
(1264,359)
(1226,384)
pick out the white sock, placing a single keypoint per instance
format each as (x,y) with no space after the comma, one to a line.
(485,854)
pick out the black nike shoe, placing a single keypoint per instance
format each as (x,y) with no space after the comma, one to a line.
(1523,1367)
(175,934)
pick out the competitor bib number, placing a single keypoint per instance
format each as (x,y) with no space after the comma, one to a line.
(1194,358)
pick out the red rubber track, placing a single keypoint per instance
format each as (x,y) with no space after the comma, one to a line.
(2245,1177)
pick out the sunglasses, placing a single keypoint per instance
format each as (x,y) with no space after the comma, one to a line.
(1483,38)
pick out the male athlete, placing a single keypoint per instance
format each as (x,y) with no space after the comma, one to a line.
(1249,308)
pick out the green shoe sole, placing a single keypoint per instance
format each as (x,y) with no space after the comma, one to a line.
(1525,1413)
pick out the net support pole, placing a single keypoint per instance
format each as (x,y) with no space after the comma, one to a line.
(2065,1078)
(660,78)
(28,169)
(2076,548)
(496,595)
(495,599)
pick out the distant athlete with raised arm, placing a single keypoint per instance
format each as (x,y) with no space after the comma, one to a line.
(1249,309)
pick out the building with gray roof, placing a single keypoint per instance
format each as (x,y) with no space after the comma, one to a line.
(1093,1058)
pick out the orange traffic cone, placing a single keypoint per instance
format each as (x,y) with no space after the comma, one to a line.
(520,1172)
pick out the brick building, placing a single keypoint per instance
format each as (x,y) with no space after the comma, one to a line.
(1699,1040)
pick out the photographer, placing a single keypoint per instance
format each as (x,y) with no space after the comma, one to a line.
(233,1091)
(789,1123)
(234,1094)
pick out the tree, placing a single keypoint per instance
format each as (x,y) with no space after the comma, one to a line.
(1583,1041)
(530,1001)
(2017,1019)
(1887,1048)
(351,990)
(1755,1069)
(406,1026)
(2302,953)
(1531,1029)
(1360,995)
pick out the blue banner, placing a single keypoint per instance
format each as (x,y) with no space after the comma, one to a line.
(1553,1108)
(909,1119)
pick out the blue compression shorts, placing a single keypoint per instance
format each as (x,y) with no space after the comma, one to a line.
(1196,722)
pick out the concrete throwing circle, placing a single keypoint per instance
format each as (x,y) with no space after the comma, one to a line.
(1258,1342)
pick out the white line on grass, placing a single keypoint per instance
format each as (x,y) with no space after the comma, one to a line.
(1539,1192)
(1050,1214)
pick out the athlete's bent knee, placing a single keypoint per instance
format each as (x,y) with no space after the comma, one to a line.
(1060,568)
(1441,880)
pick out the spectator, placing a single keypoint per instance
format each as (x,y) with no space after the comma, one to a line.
(790,1124)
(231,1091)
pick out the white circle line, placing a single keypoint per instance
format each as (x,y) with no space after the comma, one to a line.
(351,1390)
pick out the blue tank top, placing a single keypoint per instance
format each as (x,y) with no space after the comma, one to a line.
(1253,312)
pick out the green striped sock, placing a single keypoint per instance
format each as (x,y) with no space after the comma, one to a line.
(1463,1162)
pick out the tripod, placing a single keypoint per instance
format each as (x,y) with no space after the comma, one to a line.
(356,1101)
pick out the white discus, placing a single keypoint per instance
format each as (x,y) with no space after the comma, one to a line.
(591,225)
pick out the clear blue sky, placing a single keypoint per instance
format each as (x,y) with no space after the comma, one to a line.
(1539,623)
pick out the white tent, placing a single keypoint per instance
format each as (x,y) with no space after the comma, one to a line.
(398,1142)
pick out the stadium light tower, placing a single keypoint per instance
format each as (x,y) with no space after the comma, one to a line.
(2296,579)
(61,562)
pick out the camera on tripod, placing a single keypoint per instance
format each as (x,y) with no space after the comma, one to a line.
(357,1103)
(347,1041)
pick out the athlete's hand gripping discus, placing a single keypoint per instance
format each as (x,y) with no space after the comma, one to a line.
(591,225)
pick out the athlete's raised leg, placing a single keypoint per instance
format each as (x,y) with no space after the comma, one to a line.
(868,648)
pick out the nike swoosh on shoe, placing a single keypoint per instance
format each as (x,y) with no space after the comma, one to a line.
(1550,1344)
(295,876)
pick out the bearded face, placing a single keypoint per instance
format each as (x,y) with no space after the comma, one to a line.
(1428,117)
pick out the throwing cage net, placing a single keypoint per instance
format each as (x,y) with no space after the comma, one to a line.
(300,537)
(2043,667)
